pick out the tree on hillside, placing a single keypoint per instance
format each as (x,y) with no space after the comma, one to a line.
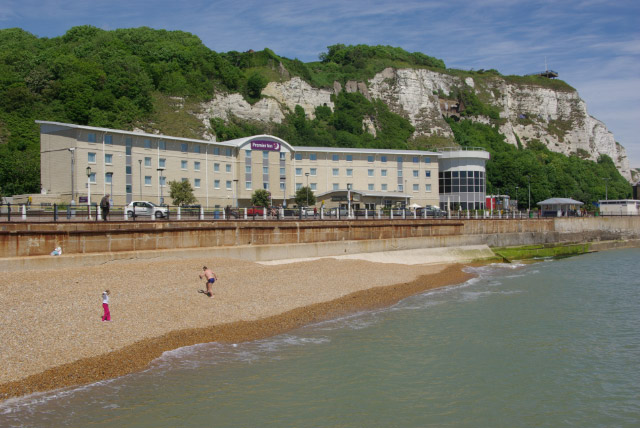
(182,193)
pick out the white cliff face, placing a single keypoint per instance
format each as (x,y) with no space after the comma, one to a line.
(557,118)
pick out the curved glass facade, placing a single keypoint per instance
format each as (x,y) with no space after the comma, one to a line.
(462,190)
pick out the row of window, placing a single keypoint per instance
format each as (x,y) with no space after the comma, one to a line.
(335,172)
(370,158)
(162,145)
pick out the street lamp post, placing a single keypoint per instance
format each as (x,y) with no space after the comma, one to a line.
(235,193)
(348,200)
(406,200)
(88,170)
(73,185)
(161,186)
(529,209)
(283,180)
(111,191)
(307,175)
(140,173)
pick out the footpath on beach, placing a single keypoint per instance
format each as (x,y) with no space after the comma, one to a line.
(53,336)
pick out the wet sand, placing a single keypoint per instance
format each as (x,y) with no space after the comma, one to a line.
(52,335)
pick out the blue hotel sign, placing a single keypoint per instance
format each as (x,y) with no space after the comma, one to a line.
(265,145)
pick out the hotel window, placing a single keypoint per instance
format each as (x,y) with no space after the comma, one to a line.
(370,159)
(399,173)
(163,181)
(313,171)
(416,173)
(370,172)
(265,155)
(282,172)
(196,166)
(298,171)
(185,180)
(349,158)
(247,185)
(147,162)
(147,143)
(184,147)
(282,186)
(383,159)
(196,149)
(415,159)
(108,158)
(384,187)
(298,156)
(196,183)
(216,151)
(371,187)
(216,167)
(427,159)
(314,186)
(227,152)
(91,157)
(228,184)
(313,156)
(216,184)
(349,172)
(383,172)
(128,145)
(183,164)
(427,187)
(92,178)
(265,186)
(335,172)
(265,170)
(228,167)
(400,188)
(107,177)
(247,169)
(162,145)
(147,180)
(108,139)
(427,174)
(399,159)
(283,155)
(335,158)
(298,186)
(247,154)
(416,187)
(162,163)
(91,137)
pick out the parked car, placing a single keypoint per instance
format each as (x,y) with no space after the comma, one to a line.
(308,211)
(334,212)
(255,211)
(146,208)
(431,211)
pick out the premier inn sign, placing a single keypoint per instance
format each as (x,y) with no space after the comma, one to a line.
(265,145)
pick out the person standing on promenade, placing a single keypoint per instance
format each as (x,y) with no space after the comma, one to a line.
(105,306)
(104,206)
(210,277)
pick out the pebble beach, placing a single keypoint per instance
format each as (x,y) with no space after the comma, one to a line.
(52,335)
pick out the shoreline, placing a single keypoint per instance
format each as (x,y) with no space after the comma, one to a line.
(137,356)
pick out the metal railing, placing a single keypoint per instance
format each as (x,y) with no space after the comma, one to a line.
(84,213)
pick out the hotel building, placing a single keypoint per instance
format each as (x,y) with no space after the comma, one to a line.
(138,166)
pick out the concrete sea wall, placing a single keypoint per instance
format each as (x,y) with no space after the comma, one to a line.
(98,242)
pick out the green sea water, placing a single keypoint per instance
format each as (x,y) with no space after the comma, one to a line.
(549,344)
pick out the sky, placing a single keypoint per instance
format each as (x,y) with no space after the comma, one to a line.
(594,45)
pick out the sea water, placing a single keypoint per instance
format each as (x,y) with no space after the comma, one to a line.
(549,344)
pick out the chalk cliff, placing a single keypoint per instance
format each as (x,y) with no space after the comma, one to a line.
(556,117)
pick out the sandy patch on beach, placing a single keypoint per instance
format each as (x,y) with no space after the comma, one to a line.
(52,335)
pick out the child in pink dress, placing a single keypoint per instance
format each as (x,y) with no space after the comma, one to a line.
(105,306)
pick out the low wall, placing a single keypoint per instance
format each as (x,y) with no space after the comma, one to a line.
(39,239)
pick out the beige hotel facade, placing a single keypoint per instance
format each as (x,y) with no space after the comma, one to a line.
(133,166)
